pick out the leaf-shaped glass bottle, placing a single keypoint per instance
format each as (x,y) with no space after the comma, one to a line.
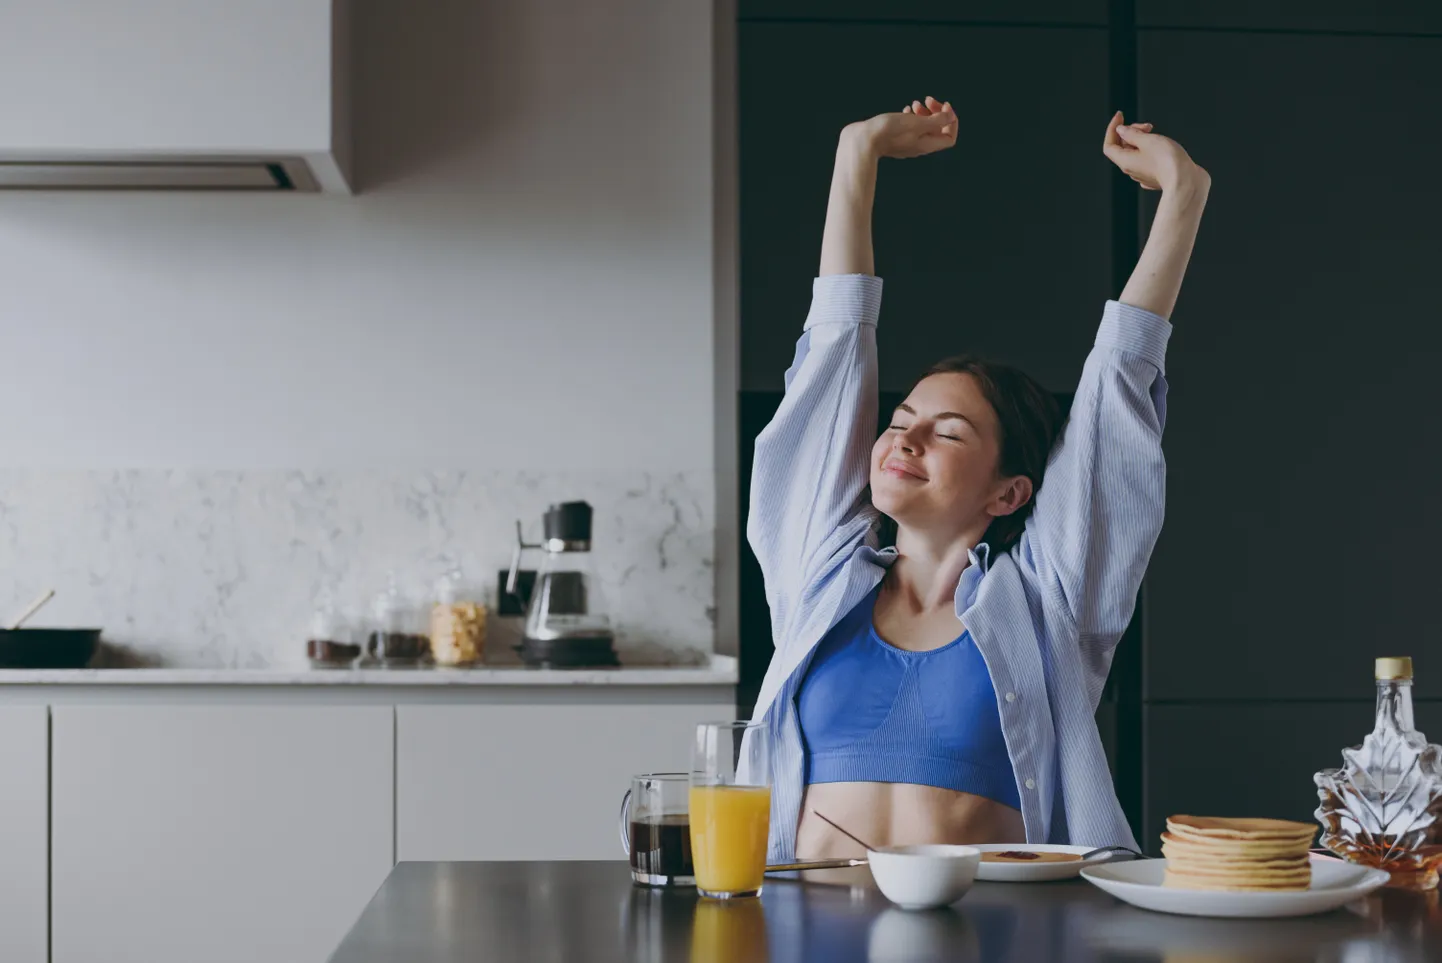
(1380,807)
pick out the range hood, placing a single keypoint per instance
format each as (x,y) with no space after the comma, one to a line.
(244,95)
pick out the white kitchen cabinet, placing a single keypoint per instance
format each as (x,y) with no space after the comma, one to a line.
(543,781)
(23,826)
(223,832)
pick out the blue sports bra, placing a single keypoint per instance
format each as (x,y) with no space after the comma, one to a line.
(871,712)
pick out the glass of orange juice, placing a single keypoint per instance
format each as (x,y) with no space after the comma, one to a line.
(730,808)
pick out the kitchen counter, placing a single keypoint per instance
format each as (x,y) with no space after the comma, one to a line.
(512,912)
(332,776)
(720,670)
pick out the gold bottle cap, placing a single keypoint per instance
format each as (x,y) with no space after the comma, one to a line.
(1395,667)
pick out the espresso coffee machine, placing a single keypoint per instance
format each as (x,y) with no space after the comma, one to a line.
(567,625)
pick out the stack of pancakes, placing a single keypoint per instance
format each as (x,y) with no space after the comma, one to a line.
(1262,855)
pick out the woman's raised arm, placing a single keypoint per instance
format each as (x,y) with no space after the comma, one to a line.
(1159,164)
(811,464)
(1102,500)
(920,128)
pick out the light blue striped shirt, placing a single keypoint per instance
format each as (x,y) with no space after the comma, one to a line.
(1045,615)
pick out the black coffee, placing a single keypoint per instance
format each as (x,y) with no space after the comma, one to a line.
(661,846)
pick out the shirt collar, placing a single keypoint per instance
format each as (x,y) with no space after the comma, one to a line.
(980,557)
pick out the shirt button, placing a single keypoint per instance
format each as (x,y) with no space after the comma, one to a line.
(1011,697)
(1031,784)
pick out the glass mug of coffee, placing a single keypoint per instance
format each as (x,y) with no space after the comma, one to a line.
(656,829)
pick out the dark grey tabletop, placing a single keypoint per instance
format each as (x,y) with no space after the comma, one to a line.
(564,911)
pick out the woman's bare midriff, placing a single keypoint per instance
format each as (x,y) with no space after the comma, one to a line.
(899,814)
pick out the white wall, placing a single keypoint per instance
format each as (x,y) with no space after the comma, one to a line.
(217,407)
(525,282)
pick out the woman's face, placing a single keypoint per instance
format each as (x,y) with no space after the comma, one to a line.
(936,464)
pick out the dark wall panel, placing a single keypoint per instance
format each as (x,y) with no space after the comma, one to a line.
(1252,759)
(1386,16)
(971,11)
(999,246)
(1302,440)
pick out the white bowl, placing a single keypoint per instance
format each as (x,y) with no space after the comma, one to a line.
(924,877)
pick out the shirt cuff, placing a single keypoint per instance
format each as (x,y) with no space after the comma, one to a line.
(1135,331)
(844,299)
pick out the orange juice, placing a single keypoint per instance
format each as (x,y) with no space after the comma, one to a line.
(729,825)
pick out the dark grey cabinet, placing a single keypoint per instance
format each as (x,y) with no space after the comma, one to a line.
(1301,437)
(930,11)
(1302,440)
(1001,246)
(1251,759)
(1386,16)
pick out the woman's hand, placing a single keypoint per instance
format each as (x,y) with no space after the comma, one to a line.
(920,128)
(1156,162)
(1159,163)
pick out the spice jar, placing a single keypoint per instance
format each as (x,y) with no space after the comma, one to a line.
(398,637)
(332,641)
(458,625)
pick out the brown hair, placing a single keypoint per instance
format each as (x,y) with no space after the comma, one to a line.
(1030,419)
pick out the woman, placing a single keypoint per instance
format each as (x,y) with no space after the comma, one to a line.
(944,690)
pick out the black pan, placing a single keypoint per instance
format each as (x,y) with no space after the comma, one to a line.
(47,648)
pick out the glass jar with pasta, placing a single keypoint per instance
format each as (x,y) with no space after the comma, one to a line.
(458,622)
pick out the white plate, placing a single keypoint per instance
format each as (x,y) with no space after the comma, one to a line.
(1334,884)
(1033,872)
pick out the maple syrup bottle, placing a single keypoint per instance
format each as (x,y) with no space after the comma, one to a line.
(1380,807)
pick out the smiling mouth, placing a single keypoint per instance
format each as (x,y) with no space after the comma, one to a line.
(901,471)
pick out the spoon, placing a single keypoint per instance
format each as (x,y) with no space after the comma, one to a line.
(34,607)
(811,864)
(1085,856)
(864,845)
(1118,850)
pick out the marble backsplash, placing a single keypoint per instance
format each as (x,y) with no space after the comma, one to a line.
(222,568)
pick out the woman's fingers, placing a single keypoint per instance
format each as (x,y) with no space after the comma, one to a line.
(920,128)
(1111,139)
(1135,149)
(951,129)
(1132,137)
(925,108)
(939,122)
